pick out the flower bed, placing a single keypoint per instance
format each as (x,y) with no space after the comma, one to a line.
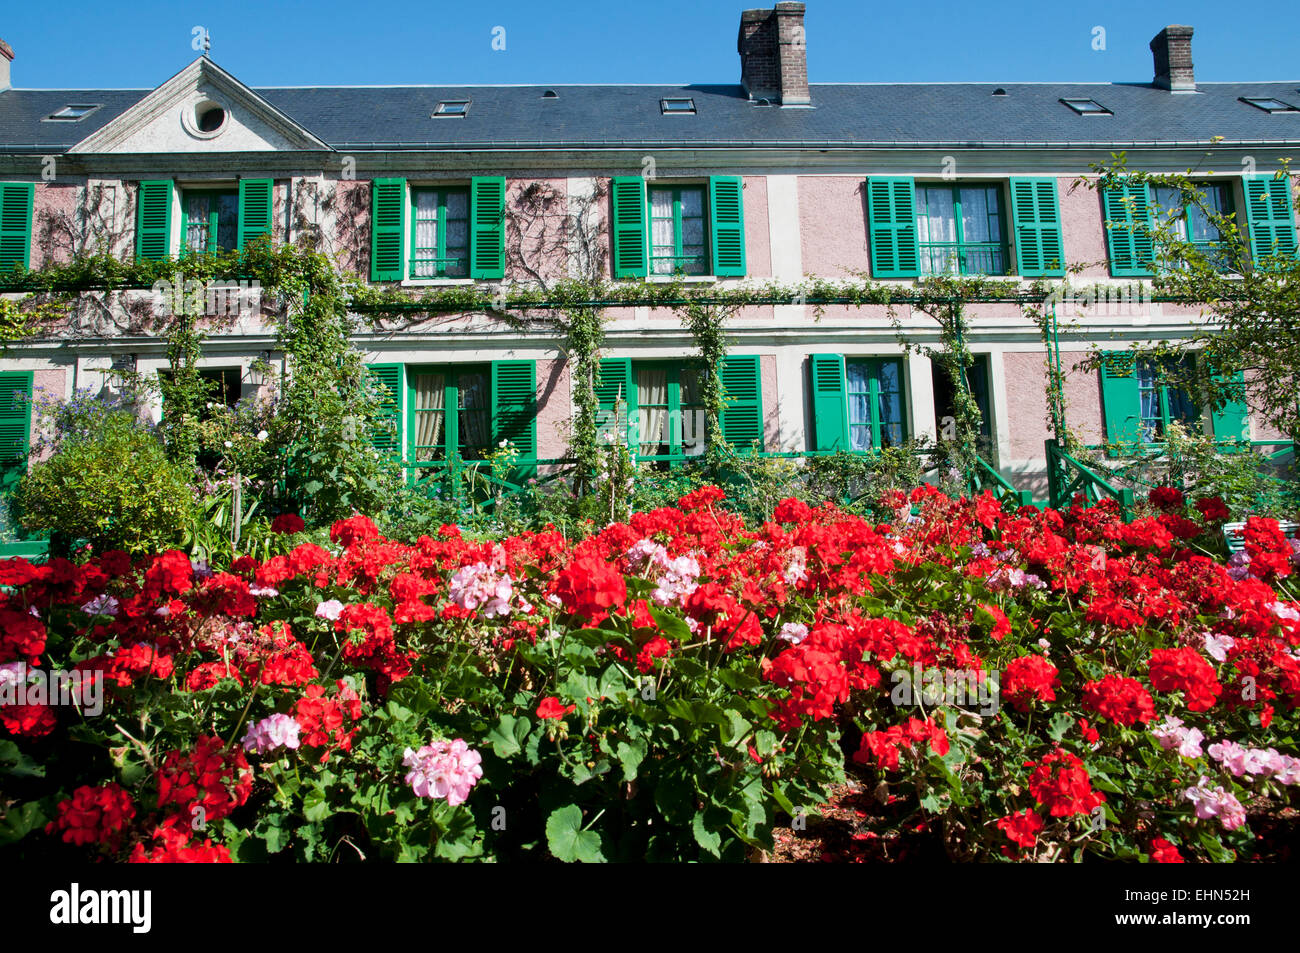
(1029,686)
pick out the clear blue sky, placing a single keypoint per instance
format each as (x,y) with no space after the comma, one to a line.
(345,42)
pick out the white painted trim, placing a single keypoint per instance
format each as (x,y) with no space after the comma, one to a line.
(998,401)
(920,396)
(783,227)
(791,410)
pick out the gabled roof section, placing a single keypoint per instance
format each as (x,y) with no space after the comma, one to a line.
(157,122)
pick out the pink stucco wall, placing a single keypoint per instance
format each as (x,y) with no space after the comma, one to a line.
(758,246)
(832,225)
(1259,429)
(1026,396)
(1083,410)
(1083,227)
(553,408)
(54,212)
(353,255)
(535,237)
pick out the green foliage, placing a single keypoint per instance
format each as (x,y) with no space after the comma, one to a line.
(584,336)
(706,323)
(1203,466)
(1252,305)
(110,484)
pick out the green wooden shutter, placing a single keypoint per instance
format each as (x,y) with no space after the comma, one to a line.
(630,256)
(487,228)
(153,220)
(388,380)
(16,224)
(387,229)
(514,410)
(829,400)
(1270,215)
(891,218)
(15,415)
(742,407)
(15,444)
(1128,229)
(1036,215)
(1120,400)
(727,224)
(256,207)
(616,384)
(1233,421)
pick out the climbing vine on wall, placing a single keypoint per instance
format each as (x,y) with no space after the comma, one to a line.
(707,324)
(317,309)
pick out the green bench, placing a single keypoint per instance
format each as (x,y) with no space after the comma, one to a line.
(1232,534)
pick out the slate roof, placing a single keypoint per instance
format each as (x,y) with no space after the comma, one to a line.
(885,114)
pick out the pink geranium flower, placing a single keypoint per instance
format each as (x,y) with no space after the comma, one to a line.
(443,769)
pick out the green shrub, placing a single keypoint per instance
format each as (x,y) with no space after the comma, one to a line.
(109,483)
(1249,484)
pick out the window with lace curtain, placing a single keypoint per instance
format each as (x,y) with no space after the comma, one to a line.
(875,395)
(439,233)
(433,390)
(961,230)
(1160,403)
(678,231)
(211,220)
(670,416)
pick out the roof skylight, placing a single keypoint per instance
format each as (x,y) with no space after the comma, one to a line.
(73,113)
(677,107)
(1087,107)
(1269,104)
(451,109)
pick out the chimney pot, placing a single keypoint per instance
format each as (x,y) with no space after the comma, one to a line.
(773,54)
(1171,51)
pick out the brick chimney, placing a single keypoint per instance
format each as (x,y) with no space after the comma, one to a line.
(1172,51)
(774,54)
(6,57)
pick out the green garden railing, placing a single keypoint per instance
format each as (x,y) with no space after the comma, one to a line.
(985,477)
(1068,478)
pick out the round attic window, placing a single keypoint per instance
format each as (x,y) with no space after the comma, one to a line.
(212,119)
(206,119)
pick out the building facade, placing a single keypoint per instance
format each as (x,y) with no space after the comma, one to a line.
(773,179)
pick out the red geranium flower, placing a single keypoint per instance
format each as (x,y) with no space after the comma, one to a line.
(589,587)
(1185,670)
(288,523)
(1027,678)
(1122,700)
(1213,509)
(1022,828)
(93,815)
(1163,852)
(1060,783)
(551,708)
